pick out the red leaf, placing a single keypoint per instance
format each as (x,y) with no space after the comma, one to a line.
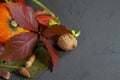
(38,12)
(43,17)
(23,15)
(55,31)
(19,46)
(1,49)
(53,52)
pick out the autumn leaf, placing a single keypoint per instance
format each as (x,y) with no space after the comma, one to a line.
(1,49)
(55,31)
(23,15)
(41,63)
(19,46)
(54,53)
(44,19)
(40,12)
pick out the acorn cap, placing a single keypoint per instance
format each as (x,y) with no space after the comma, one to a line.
(23,71)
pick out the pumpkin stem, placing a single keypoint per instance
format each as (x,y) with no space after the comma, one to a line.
(12,24)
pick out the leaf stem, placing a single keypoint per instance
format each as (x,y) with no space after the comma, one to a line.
(44,7)
(48,10)
(7,66)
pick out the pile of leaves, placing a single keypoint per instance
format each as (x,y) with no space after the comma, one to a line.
(44,29)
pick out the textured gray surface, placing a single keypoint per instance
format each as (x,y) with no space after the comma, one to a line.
(97,56)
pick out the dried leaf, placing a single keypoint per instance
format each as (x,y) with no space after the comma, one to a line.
(23,15)
(52,51)
(19,46)
(55,31)
(1,49)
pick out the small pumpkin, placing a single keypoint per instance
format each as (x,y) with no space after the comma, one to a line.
(8,27)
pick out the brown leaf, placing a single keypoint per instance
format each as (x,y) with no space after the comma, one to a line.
(23,15)
(52,51)
(19,46)
(55,31)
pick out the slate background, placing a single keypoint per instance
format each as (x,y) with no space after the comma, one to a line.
(97,56)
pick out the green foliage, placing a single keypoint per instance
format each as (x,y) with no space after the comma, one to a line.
(41,63)
(75,34)
(11,66)
(52,22)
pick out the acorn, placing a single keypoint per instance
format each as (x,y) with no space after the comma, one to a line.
(23,71)
(5,74)
(30,61)
(67,42)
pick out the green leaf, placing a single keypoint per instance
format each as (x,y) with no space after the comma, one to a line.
(41,63)
(75,34)
(52,22)
(11,66)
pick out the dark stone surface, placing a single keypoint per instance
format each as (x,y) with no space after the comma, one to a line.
(97,56)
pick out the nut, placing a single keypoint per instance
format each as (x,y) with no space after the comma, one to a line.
(23,71)
(67,42)
(30,61)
